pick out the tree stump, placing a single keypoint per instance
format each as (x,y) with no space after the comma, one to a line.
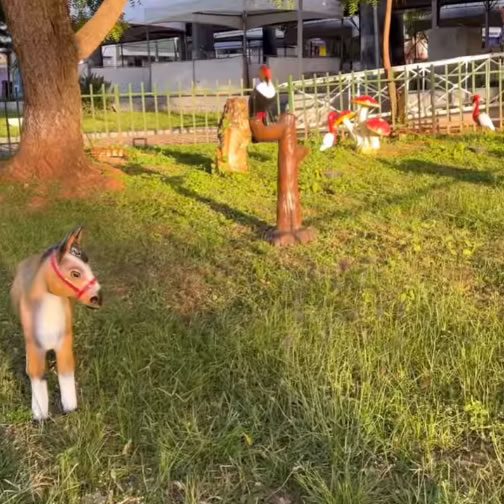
(234,137)
(289,229)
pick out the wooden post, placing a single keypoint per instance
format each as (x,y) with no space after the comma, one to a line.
(289,229)
(234,137)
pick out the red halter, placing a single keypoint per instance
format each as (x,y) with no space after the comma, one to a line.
(76,289)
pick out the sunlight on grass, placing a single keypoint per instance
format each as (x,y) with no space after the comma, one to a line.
(364,368)
(124,121)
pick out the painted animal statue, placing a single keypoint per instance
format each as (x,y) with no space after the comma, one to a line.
(42,293)
(482,119)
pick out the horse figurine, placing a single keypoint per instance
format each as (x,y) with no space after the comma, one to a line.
(41,294)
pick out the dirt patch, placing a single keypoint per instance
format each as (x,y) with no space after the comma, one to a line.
(161,139)
(79,182)
(84,184)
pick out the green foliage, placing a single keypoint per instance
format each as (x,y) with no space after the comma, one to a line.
(82,10)
(285,4)
(412,20)
(97,83)
(351,6)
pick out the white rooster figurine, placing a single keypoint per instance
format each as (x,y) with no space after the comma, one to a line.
(481,119)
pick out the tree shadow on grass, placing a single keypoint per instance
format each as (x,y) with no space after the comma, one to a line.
(226,369)
(260,156)
(14,486)
(11,335)
(422,167)
(14,481)
(192,159)
(375,207)
(176,182)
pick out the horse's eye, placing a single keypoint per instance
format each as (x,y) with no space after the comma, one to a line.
(75,274)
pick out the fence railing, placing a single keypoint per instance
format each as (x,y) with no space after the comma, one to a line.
(433,96)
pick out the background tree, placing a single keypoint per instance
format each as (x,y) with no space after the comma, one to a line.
(51,145)
(351,7)
(389,74)
(81,11)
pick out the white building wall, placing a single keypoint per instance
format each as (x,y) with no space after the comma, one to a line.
(281,68)
(123,76)
(209,74)
(206,74)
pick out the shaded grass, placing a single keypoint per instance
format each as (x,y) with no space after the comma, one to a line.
(364,368)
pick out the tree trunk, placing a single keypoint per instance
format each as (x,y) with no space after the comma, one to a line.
(51,138)
(386,61)
(234,137)
(98,27)
(289,229)
(51,145)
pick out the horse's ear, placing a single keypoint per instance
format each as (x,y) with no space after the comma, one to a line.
(74,237)
(77,232)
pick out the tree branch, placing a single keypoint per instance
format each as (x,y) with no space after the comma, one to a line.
(98,27)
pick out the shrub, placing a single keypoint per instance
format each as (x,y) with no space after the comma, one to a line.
(97,82)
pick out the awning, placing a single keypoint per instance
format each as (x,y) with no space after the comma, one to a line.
(257,13)
(137,33)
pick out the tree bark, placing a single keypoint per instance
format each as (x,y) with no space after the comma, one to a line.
(48,59)
(386,61)
(234,137)
(52,145)
(98,27)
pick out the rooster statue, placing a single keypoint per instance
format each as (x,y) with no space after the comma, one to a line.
(263,96)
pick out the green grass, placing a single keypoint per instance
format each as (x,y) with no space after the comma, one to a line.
(364,368)
(135,121)
(125,121)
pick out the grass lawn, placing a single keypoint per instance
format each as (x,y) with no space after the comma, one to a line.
(365,368)
(111,121)
(136,121)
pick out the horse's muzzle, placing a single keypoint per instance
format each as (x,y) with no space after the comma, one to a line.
(96,301)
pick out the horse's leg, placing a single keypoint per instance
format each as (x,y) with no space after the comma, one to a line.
(35,368)
(66,373)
